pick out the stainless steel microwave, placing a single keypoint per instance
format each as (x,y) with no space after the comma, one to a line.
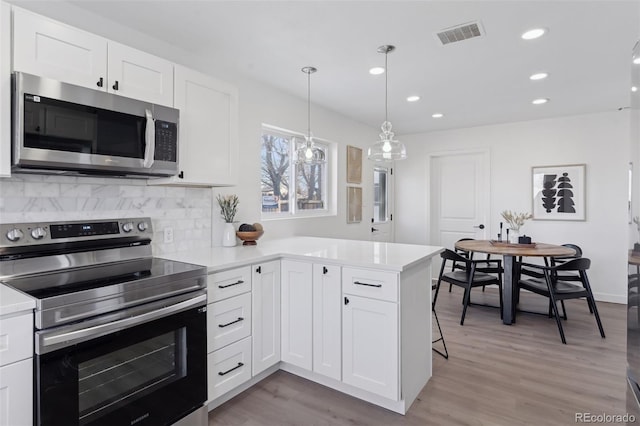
(61,128)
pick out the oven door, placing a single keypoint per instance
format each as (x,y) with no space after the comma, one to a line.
(152,373)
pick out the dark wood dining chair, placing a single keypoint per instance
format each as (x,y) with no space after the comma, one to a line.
(468,278)
(557,289)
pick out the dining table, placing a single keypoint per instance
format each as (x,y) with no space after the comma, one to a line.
(511,252)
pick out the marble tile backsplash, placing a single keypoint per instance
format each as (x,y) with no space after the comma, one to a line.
(35,198)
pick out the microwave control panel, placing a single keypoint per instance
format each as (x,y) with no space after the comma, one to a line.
(166,141)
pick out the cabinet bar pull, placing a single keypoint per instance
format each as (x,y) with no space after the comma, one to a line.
(100,82)
(367,284)
(222,373)
(229,285)
(116,86)
(324,270)
(229,323)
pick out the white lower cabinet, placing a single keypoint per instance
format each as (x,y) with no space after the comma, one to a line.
(327,321)
(370,345)
(265,302)
(311,312)
(229,367)
(16,370)
(297,301)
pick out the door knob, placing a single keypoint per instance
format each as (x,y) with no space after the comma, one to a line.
(481,226)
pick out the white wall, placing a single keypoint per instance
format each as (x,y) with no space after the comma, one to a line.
(601,141)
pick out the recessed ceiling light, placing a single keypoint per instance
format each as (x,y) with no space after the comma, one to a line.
(634,89)
(376,71)
(413,98)
(539,76)
(437,115)
(636,60)
(540,101)
(534,33)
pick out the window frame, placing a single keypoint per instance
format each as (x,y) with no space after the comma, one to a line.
(329,178)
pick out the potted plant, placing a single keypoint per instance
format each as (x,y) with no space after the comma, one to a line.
(515,221)
(228,209)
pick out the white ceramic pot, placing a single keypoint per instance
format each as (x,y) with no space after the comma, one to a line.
(513,236)
(228,235)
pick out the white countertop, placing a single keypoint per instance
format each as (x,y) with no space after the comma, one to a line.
(12,301)
(387,256)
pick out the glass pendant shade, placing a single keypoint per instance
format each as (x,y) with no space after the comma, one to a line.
(387,148)
(306,151)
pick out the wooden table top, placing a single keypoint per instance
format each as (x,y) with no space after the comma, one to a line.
(541,249)
(634,258)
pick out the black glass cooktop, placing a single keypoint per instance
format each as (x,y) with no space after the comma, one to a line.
(56,283)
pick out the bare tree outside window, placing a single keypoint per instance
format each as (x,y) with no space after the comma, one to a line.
(275,173)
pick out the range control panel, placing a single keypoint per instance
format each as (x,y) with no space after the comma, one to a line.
(29,234)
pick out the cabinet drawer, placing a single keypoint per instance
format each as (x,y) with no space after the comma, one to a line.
(225,284)
(229,367)
(228,321)
(370,283)
(16,338)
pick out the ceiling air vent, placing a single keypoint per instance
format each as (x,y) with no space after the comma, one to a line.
(460,33)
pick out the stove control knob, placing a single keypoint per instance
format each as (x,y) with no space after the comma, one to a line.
(38,233)
(14,235)
(142,226)
(127,227)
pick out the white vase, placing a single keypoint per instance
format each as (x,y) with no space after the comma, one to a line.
(514,234)
(228,235)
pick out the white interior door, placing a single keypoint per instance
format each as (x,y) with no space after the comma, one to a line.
(382,214)
(459,197)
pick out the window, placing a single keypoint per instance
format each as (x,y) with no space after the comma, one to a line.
(380,194)
(290,189)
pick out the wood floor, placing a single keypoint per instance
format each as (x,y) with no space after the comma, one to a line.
(495,375)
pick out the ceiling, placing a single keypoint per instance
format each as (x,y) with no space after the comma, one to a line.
(586,51)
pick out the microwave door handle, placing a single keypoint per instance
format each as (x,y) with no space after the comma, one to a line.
(150,141)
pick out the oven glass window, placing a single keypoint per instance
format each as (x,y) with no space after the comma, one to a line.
(120,377)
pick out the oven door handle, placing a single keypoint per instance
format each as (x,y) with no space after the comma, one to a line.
(53,340)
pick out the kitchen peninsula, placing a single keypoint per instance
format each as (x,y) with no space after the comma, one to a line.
(352,315)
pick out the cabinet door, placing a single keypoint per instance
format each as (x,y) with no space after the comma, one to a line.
(208,133)
(5,89)
(327,321)
(370,345)
(297,296)
(139,75)
(52,49)
(16,394)
(265,302)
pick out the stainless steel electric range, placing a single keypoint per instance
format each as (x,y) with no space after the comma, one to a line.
(120,336)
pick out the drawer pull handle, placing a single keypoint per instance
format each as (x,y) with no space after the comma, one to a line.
(222,373)
(232,284)
(367,284)
(229,323)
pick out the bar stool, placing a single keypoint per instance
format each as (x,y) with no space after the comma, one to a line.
(444,354)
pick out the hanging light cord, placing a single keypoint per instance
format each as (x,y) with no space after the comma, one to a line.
(386,86)
(309,104)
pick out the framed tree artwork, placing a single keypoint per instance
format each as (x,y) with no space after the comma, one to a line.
(354,164)
(558,192)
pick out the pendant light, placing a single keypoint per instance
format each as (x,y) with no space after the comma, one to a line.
(387,148)
(307,152)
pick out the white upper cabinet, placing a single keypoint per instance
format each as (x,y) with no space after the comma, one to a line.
(52,49)
(139,75)
(208,130)
(55,50)
(5,89)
